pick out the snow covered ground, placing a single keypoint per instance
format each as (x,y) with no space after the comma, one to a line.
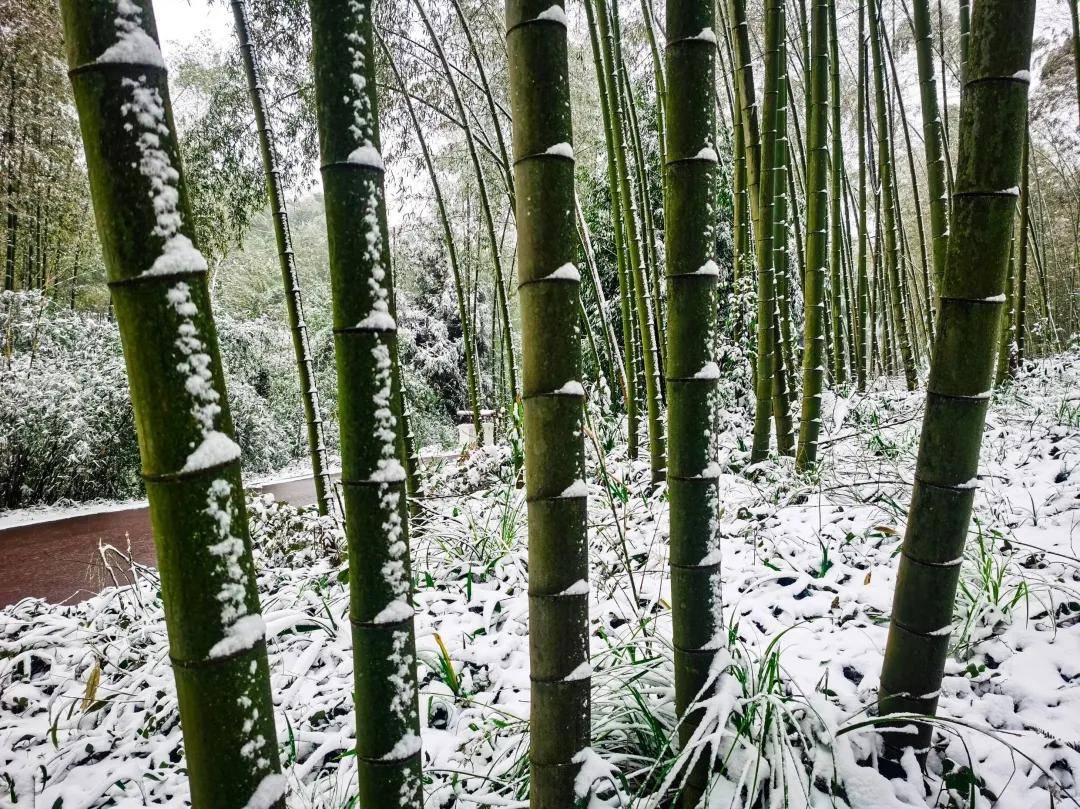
(87,705)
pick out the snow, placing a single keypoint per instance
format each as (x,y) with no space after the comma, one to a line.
(579,488)
(243,634)
(567,272)
(216,448)
(709,370)
(270,789)
(133,45)
(578,588)
(706,35)
(395,611)
(707,153)
(571,388)
(561,149)
(555,13)
(710,267)
(366,155)
(1011,672)
(407,745)
(581,672)
(378,320)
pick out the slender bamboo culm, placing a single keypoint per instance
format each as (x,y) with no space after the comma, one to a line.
(190,461)
(555,489)
(991,139)
(369,406)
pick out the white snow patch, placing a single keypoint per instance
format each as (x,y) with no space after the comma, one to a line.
(555,14)
(379,320)
(397,610)
(710,267)
(366,155)
(578,588)
(133,45)
(579,488)
(709,370)
(571,388)
(244,633)
(581,672)
(268,792)
(561,149)
(407,745)
(567,272)
(216,448)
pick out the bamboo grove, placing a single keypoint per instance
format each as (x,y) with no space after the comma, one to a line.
(759,202)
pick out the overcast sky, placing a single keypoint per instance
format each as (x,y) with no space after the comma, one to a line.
(181,22)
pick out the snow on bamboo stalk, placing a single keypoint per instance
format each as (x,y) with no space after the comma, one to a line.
(549,291)
(365,340)
(817,229)
(190,461)
(991,141)
(692,372)
(864,341)
(294,303)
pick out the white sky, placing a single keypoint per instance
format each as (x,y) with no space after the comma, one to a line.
(181,22)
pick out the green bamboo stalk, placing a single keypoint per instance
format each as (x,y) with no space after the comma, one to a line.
(1074,12)
(554,447)
(965,38)
(653,300)
(659,79)
(836,169)
(467,341)
(1007,341)
(890,231)
(817,224)
(190,462)
(921,316)
(933,138)
(600,61)
(693,375)
(294,303)
(485,202)
(783,364)
(618,368)
(369,405)
(766,344)
(635,253)
(1022,267)
(961,372)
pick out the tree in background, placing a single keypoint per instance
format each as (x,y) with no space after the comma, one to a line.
(158,280)
(294,302)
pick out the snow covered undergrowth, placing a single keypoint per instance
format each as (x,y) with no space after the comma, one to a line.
(87,705)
